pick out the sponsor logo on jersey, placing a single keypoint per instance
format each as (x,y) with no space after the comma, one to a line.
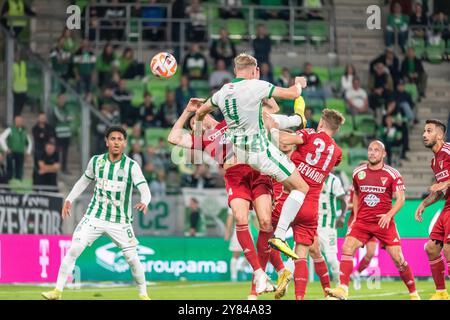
(442,175)
(383,180)
(371,200)
(372,189)
(216,134)
(361,175)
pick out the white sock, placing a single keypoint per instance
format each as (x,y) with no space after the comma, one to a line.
(334,266)
(68,263)
(233,268)
(136,269)
(285,122)
(290,209)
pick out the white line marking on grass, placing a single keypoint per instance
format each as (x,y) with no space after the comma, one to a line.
(385,294)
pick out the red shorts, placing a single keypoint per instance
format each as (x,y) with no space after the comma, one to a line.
(243,182)
(441,229)
(350,220)
(366,232)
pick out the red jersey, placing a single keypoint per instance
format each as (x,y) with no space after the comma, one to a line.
(214,143)
(315,158)
(375,189)
(440,165)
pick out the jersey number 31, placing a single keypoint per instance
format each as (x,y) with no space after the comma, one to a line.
(313,159)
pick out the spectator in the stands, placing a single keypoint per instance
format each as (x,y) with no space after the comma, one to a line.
(231,9)
(220,76)
(285,79)
(106,62)
(390,60)
(223,48)
(107,98)
(147,112)
(152,30)
(391,136)
(401,121)
(194,217)
(418,22)
(122,96)
(168,111)
(271,13)
(12,12)
(42,133)
(63,119)
(413,71)
(195,65)
(310,122)
(265,73)
(70,43)
(84,66)
(16,142)
(356,98)
(439,29)
(20,83)
(158,159)
(262,45)
(47,166)
(136,154)
(404,102)
(347,78)
(61,59)
(95,13)
(397,23)
(197,24)
(380,88)
(149,172)
(158,186)
(137,136)
(113,21)
(129,68)
(184,93)
(313,9)
(313,89)
(4,176)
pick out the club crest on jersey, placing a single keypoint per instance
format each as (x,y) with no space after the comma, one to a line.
(371,200)
(101,162)
(384,180)
(120,173)
(361,175)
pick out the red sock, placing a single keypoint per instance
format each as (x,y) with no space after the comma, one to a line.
(322,271)
(407,276)
(263,248)
(363,264)
(246,242)
(300,278)
(253,288)
(437,267)
(346,268)
(275,260)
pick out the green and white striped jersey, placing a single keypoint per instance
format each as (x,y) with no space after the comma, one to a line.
(241,104)
(114,182)
(332,189)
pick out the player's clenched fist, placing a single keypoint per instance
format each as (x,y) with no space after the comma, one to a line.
(301,80)
(66,209)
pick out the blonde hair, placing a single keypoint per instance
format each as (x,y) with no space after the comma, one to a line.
(333,119)
(244,60)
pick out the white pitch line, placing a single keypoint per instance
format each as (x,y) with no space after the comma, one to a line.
(385,294)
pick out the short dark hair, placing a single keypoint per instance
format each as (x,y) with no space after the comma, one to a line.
(112,129)
(437,123)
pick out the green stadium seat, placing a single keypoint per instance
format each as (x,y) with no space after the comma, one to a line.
(435,52)
(356,155)
(336,104)
(152,135)
(318,30)
(335,74)
(21,186)
(366,124)
(322,73)
(237,28)
(411,88)
(300,31)
(276,72)
(277,29)
(419,47)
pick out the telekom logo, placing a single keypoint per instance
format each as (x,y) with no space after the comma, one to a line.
(44,260)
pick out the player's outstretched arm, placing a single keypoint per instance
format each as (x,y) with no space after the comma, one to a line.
(440,186)
(292,92)
(399,202)
(177,135)
(270,105)
(286,137)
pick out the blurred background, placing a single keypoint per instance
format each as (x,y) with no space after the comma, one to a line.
(60,89)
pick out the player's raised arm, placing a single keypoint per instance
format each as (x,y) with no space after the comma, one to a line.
(291,93)
(142,185)
(206,108)
(177,135)
(79,187)
(270,105)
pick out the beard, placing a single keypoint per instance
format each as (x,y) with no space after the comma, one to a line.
(429,145)
(375,162)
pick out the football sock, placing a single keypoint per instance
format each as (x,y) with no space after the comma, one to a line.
(276,261)
(346,268)
(334,266)
(285,122)
(263,248)
(300,278)
(68,263)
(289,211)
(363,264)
(253,287)
(233,268)
(137,270)
(407,276)
(437,267)
(246,242)
(320,266)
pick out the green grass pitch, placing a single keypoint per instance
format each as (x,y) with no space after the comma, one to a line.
(388,290)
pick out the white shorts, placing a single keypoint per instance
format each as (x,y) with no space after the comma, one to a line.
(271,162)
(90,229)
(328,240)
